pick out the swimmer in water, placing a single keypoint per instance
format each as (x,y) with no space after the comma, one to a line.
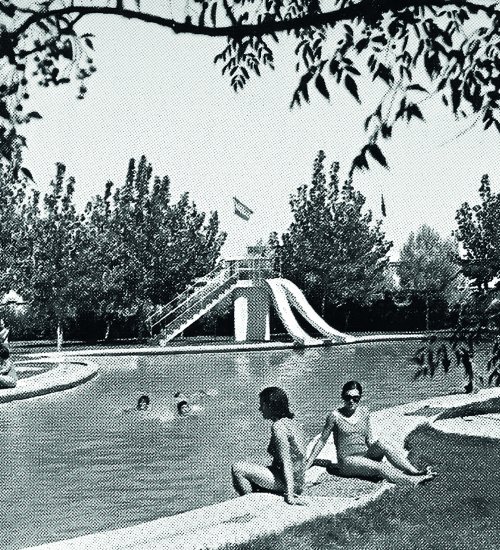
(196,396)
(142,404)
(184,408)
(189,404)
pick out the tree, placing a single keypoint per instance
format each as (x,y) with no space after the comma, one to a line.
(144,248)
(54,281)
(428,266)
(479,233)
(332,248)
(415,48)
(13,201)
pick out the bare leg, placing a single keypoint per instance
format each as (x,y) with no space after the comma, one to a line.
(397,457)
(246,473)
(361,466)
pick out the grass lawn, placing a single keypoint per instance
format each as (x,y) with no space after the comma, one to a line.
(460,509)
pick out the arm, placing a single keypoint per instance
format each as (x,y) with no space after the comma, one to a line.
(325,434)
(370,436)
(283,447)
(5,367)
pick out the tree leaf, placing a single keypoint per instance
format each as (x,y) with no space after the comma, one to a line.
(455,94)
(213,13)
(417,87)
(362,44)
(321,86)
(4,112)
(377,154)
(27,173)
(351,85)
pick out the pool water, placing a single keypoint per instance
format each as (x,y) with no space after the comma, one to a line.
(73,462)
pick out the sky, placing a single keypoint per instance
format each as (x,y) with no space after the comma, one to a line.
(161,95)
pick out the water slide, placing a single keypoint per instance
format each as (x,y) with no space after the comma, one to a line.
(284,290)
(282,305)
(299,301)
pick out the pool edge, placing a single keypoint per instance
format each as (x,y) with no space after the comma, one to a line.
(244,518)
(58,379)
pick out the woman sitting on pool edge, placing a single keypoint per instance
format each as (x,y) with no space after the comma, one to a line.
(358,453)
(8,375)
(287,447)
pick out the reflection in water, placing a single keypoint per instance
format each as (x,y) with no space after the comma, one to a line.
(242,368)
(74,463)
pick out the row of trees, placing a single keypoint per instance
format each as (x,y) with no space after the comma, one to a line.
(338,254)
(131,248)
(333,250)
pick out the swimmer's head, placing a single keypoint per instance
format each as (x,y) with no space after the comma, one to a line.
(4,352)
(143,403)
(183,408)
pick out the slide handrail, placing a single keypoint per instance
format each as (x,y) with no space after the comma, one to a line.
(180,298)
(193,297)
(197,304)
(254,268)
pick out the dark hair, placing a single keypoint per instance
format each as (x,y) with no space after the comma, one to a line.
(352,385)
(277,401)
(4,352)
(143,399)
(180,405)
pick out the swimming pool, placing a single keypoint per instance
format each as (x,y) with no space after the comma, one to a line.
(74,463)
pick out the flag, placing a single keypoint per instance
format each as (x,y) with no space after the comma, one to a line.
(382,207)
(242,210)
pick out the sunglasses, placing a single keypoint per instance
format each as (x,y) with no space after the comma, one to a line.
(354,398)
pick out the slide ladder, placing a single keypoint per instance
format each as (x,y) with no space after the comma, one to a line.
(193,303)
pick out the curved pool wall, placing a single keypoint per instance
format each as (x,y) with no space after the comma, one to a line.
(64,376)
(244,518)
(222,348)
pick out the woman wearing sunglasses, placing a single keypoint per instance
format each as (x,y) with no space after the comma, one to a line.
(358,453)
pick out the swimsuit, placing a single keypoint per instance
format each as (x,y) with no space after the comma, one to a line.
(350,437)
(297,458)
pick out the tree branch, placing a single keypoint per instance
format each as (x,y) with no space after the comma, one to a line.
(315,20)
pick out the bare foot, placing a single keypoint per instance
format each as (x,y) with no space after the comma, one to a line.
(420,480)
(426,471)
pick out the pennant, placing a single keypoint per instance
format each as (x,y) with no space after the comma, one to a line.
(242,210)
(382,207)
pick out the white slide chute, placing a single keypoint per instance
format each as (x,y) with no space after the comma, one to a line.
(280,299)
(300,303)
(286,294)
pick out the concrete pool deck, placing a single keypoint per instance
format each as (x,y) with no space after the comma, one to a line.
(65,376)
(244,518)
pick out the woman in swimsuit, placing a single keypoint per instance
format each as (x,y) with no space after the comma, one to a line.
(287,447)
(358,453)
